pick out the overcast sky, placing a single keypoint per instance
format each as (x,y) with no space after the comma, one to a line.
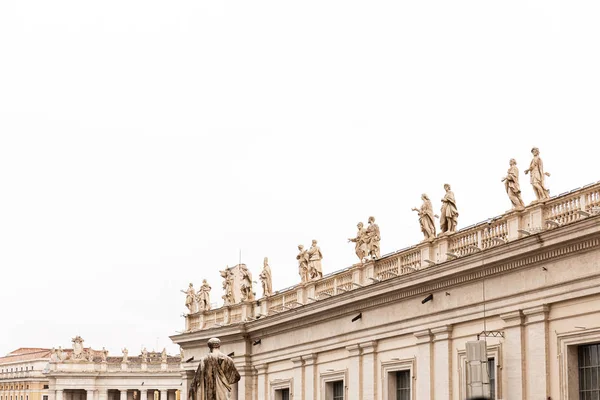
(143,144)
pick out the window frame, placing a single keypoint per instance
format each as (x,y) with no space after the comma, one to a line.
(389,368)
(279,384)
(568,343)
(328,378)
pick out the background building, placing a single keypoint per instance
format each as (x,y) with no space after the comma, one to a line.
(527,282)
(21,376)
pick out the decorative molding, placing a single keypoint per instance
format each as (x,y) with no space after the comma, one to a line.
(512,319)
(423,336)
(353,350)
(368,347)
(442,333)
(310,359)
(536,314)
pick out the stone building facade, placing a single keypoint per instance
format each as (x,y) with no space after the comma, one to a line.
(21,376)
(527,283)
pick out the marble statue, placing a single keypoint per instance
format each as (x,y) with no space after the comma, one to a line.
(537,176)
(90,355)
(360,242)
(265,279)
(54,355)
(104,354)
(125,355)
(449,214)
(78,353)
(373,239)
(302,258)
(511,183)
(215,375)
(426,218)
(181,354)
(61,354)
(227,276)
(246,284)
(190,296)
(203,296)
(163,356)
(315,271)
(144,355)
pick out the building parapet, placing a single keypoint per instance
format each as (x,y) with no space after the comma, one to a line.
(538,217)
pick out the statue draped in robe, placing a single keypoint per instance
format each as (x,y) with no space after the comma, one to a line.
(214,376)
(315,271)
(537,176)
(511,183)
(426,218)
(265,279)
(203,296)
(449,214)
(302,258)
(360,242)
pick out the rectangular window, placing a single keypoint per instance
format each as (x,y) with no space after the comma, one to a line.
(46,387)
(338,390)
(282,394)
(45,397)
(589,371)
(402,385)
(492,375)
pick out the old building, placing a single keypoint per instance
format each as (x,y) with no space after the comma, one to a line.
(21,376)
(527,283)
(85,374)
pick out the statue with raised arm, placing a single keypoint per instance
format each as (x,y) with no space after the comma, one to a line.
(215,375)
(537,176)
(426,218)
(190,298)
(227,276)
(265,279)
(449,214)
(360,242)
(373,239)
(302,258)
(511,184)
(315,271)
(203,296)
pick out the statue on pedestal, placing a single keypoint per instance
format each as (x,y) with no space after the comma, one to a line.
(215,375)
(360,247)
(203,296)
(449,214)
(511,183)
(78,353)
(104,354)
(426,218)
(537,176)
(227,276)
(246,283)
(125,355)
(302,258)
(163,356)
(373,239)
(265,279)
(190,296)
(315,256)
(144,356)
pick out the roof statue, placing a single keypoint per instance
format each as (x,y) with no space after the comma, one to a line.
(360,242)
(266,279)
(302,258)
(449,212)
(536,168)
(315,271)
(511,184)
(426,218)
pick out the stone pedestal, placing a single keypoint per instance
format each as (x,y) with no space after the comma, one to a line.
(440,249)
(513,383)
(353,363)
(144,366)
(124,366)
(163,366)
(424,381)
(442,361)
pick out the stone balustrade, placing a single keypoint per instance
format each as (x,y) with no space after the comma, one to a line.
(560,210)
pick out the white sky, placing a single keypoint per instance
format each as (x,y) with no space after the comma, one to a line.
(144,143)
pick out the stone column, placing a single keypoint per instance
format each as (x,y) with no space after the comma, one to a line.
(186,380)
(143,394)
(442,362)
(89,394)
(310,388)
(424,370)
(261,390)
(513,383)
(245,385)
(297,376)
(123,394)
(59,395)
(103,394)
(353,362)
(369,370)
(164,394)
(536,352)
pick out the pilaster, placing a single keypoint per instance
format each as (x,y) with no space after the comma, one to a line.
(245,385)
(424,370)
(103,394)
(354,387)
(164,394)
(59,395)
(442,361)
(536,353)
(369,370)
(143,394)
(513,384)
(310,387)
(440,248)
(123,394)
(297,392)
(262,391)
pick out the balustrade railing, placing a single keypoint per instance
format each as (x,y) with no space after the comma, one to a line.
(561,210)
